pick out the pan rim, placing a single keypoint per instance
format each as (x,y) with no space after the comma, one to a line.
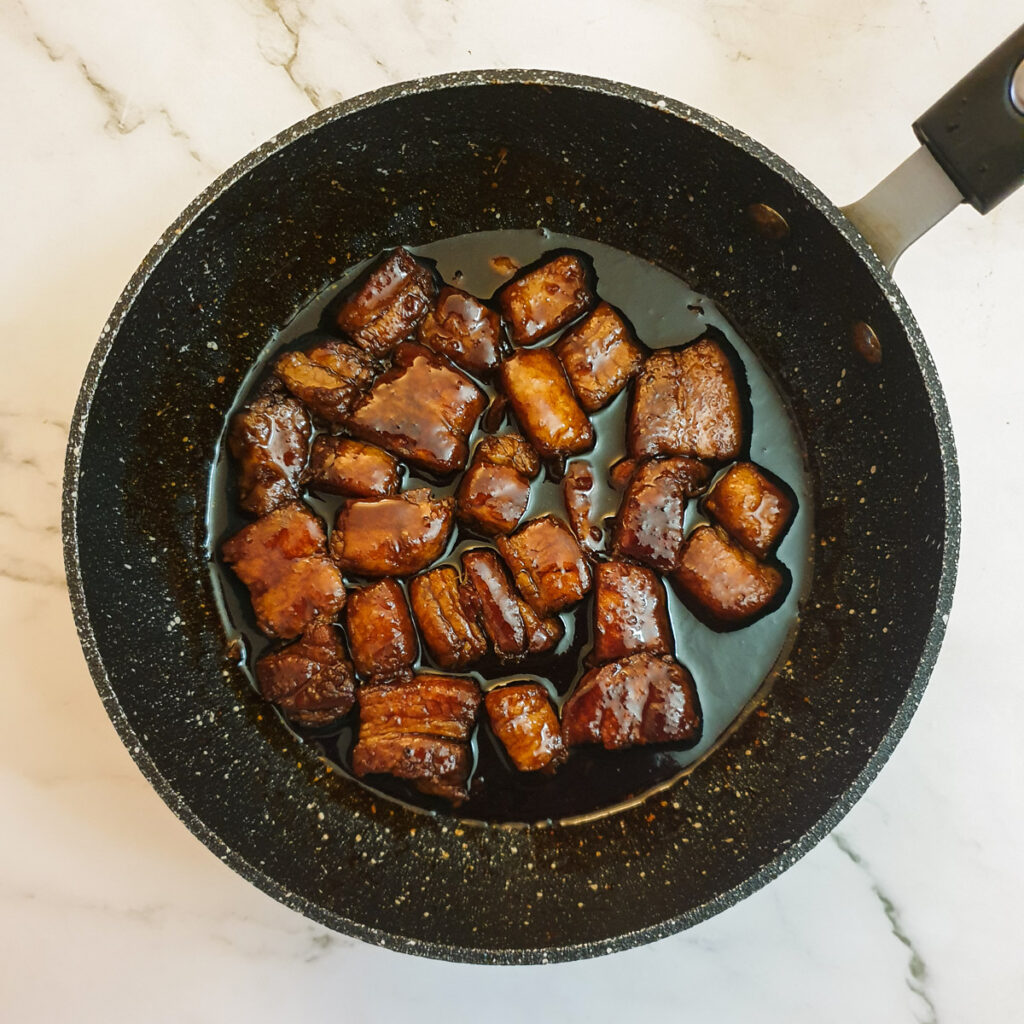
(800,845)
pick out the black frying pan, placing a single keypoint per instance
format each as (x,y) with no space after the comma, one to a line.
(415,163)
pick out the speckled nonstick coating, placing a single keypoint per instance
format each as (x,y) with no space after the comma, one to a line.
(417,162)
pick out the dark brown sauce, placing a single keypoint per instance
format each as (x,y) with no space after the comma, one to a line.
(730,669)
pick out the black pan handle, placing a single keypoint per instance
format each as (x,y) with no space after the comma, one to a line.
(972,149)
(976,131)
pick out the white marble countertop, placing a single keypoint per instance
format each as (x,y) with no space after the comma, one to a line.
(115,115)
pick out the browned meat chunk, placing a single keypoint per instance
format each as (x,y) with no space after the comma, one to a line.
(422,410)
(381,635)
(387,303)
(646,698)
(752,507)
(577,484)
(495,490)
(723,584)
(630,613)
(621,472)
(391,536)
(418,730)
(339,465)
(329,377)
(524,720)
(546,298)
(499,603)
(446,611)
(270,440)
(542,635)
(686,402)
(544,404)
(311,679)
(547,564)
(601,356)
(463,329)
(649,526)
(282,559)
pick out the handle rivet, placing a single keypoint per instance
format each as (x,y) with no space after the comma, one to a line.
(1017,88)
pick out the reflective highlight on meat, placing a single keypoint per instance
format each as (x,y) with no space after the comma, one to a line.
(447,611)
(630,613)
(546,298)
(329,377)
(381,635)
(462,328)
(494,492)
(339,465)
(754,510)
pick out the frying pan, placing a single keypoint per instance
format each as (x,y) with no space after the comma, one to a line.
(460,153)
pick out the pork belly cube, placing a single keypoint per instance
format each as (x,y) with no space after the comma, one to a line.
(422,410)
(282,559)
(526,724)
(546,298)
(577,484)
(544,404)
(270,440)
(447,611)
(495,491)
(329,377)
(547,564)
(601,356)
(499,603)
(646,698)
(630,613)
(462,328)
(649,526)
(340,465)
(381,635)
(388,302)
(310,679)
(393,536)
(542,634)
(752,507)
(686,401)
(418,730)
(621,472)
(723,584)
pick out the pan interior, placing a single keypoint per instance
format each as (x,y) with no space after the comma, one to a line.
(730,669)
(429,161)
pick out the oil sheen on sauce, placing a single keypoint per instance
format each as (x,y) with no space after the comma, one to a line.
(730,669)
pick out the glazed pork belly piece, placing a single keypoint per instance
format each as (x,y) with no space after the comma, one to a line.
(270,440)
(544,404)
(686,401)
(310,679)
(393,536)
(340,465)
(524,721)
(646,698)
(418,730)
(387,303)
(447,611)
(621,472)
(423,410)
(577,484)
(649,526)
(601,356)
(381,635)
(547,564)
(513,627)
(329,377)
(544,299)
(495,490)
(752,507)
(282,559)
(462,328)
(723,584)
(630,613)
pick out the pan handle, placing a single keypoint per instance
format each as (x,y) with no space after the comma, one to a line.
(972,149)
